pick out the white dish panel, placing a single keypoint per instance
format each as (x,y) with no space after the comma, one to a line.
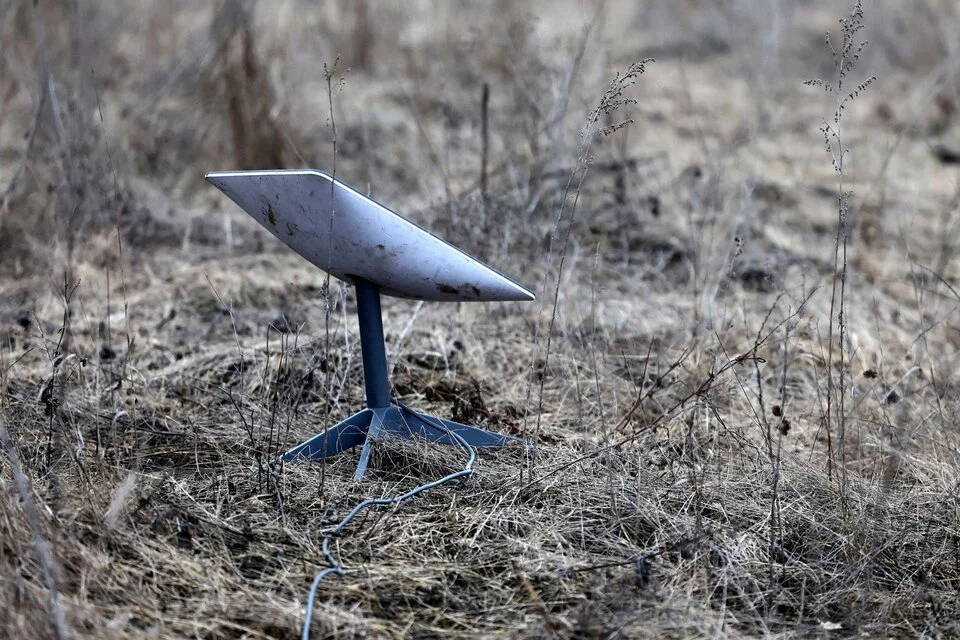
(347,234)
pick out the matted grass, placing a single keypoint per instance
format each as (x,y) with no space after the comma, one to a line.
(158,349)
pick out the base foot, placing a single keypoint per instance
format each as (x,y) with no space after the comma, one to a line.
(396,421)
(346,435)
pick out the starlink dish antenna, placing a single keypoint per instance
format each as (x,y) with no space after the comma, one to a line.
(357,239)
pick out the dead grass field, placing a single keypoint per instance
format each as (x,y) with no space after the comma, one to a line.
(718,451)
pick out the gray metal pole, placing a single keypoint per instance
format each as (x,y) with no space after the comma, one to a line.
(372,347)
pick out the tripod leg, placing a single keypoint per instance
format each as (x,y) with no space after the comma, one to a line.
(401,422)
(435,430)
(381,423)
(345,435)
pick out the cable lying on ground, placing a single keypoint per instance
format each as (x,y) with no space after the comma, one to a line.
(328,534)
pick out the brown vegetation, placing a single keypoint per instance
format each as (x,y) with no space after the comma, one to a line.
(718,451)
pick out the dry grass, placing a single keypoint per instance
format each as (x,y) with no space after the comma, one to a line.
(157,349)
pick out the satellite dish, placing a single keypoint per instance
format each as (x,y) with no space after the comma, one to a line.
(357,239)
(349,235)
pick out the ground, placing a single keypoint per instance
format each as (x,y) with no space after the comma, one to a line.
(738,379)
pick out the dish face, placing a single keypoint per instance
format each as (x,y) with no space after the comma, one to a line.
(348,235)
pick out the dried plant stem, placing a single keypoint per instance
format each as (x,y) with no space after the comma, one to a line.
(328,74)
(845,58)
(611,102)
(44,554)
(484,138)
